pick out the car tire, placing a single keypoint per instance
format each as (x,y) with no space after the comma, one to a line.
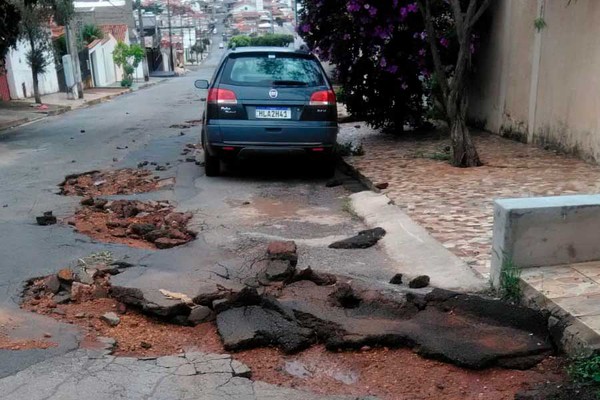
(212,165)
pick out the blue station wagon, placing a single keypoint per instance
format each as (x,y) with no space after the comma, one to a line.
(269,101)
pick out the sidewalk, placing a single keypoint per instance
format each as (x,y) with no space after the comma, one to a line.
(455,205)
(19,112)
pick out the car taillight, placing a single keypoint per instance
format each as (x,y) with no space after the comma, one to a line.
(221,96)
(322,98)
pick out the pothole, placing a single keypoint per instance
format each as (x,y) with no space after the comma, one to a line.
(118,182)
(144,325)
(151,224)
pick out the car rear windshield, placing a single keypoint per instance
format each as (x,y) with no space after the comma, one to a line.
(272,70)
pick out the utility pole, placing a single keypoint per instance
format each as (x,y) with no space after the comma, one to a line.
(77,89)
(172,63)
(142,42)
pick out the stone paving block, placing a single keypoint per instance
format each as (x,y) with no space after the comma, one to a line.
(457,204)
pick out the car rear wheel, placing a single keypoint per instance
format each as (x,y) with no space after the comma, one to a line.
(212,165)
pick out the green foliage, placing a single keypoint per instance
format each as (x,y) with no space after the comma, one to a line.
(349,149)
(585,369)
(270,39)
(9,27)
(510,285)
(340,94)
(37,60)
(136,53)
(240,41)
(539,24)
(128,57)
(439,156)
(91,32)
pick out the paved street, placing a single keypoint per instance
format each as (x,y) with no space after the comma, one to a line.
(236,216)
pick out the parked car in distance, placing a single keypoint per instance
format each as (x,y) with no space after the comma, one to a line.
(221,45)
(269,101)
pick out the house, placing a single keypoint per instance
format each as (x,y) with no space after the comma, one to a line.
(542,85)
(104,70)
(105,12)
(18,77)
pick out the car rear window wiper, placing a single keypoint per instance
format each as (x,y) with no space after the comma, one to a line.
(289,83)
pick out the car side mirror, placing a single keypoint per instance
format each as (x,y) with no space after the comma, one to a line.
(201,84)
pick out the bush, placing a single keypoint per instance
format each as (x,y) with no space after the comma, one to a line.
(270,39)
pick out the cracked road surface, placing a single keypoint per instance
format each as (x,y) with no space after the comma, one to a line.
(193,375)
(235,215)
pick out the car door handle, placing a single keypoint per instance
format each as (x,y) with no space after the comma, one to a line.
(273,129)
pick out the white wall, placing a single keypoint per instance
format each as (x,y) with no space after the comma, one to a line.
(541,87)
(19,73)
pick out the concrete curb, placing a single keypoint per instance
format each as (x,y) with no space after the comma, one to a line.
(409,244)
(571,335)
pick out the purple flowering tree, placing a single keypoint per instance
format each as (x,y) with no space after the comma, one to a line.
(375,57)
(390,55)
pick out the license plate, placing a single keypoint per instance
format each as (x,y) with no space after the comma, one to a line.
(273,113)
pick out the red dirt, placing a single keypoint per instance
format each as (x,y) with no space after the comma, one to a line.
(103,183)
(7,343)
(390,374)
(113,223)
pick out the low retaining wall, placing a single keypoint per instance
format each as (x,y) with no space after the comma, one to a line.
(545,231)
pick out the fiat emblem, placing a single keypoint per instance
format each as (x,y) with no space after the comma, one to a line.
(273,93)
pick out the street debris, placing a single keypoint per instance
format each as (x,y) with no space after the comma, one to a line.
(46,219)
(396,279)
(382,185)
(176,296)
(111,318)
(310,313)
(363,240)
(418,282)
(152,224)
(104,183)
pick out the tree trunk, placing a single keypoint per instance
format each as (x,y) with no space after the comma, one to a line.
(36,89)
(464,153)
(34,72)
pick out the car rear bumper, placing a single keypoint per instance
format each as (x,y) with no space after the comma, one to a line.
(244,141)
(250,151)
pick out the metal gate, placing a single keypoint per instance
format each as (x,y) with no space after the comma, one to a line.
(86,71)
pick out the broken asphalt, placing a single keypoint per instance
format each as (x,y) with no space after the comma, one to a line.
(235,216)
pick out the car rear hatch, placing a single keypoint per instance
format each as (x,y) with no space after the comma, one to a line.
(273,98)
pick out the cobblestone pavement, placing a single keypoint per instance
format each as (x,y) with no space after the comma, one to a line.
(456,205)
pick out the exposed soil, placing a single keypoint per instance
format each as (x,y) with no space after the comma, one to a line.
(7,343)
(104,183)
(390,374)
(147,225)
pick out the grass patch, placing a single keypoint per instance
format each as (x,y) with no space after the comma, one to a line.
(347,207)
(436,155)
(585,370)
(349,149)
(510,281)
